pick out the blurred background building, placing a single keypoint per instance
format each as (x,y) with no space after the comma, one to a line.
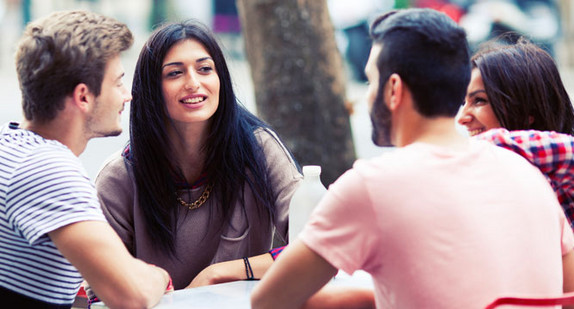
(547,22)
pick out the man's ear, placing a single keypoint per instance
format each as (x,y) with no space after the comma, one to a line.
(82,97)
(395,84)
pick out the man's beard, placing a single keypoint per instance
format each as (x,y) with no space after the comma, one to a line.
(111,133)
(94,133)
(94,125)
(381,120)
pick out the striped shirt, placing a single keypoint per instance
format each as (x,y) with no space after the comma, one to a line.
(43,187)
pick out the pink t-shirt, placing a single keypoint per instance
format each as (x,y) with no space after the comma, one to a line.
(444,229)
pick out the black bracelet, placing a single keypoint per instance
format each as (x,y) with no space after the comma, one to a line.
(248,270)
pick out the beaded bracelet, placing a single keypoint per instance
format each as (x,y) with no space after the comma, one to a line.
(248,270)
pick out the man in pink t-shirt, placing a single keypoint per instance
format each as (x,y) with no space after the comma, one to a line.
(442,221)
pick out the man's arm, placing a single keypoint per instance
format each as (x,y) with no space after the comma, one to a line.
(342,297)
(295,276)
(119,280)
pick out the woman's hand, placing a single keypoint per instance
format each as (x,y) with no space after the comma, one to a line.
(232,271)
(219,273)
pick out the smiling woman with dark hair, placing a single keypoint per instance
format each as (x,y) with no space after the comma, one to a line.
(517,100)
(516,87)
(202,180)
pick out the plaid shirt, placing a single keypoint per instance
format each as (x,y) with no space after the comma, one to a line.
(551,152)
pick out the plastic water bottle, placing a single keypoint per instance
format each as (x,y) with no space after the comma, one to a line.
(304,200)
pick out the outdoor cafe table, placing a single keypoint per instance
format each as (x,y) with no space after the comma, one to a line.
(236,294)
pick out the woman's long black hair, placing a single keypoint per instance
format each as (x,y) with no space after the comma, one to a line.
(233,155)
(524,87)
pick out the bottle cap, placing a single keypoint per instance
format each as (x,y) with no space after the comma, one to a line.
(312,170)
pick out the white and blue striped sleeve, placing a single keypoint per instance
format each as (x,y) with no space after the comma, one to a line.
(50,189)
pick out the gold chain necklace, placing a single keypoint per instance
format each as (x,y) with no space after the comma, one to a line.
(200,201)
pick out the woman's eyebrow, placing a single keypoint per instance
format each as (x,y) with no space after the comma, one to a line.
(472,94)
(180,63)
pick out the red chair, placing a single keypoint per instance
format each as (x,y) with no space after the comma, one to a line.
(81,300)
(565,299)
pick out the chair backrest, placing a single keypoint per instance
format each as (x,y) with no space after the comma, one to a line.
(565,299)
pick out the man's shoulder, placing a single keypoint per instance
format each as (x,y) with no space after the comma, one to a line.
(28,141)
(392,164)
(407,156)
(24,148)
(416,159)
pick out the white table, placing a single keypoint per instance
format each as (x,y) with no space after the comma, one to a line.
(235,294)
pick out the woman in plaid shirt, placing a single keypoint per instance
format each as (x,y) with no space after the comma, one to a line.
(516,99)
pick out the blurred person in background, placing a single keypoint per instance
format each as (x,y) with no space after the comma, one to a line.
(351,19)
(538,20)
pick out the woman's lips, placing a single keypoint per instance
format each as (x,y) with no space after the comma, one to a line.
(193,100)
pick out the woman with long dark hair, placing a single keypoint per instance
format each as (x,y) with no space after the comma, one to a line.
(516,87)
(203,181)
(517,100)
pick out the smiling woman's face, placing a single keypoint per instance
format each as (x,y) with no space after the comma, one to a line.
(477,114)
(190,83)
